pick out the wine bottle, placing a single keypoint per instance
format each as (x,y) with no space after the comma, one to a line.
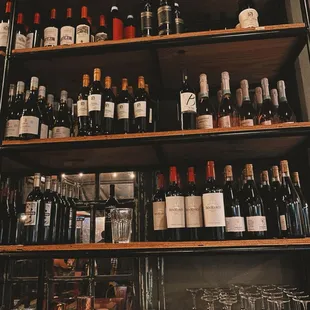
(175,208)
(67,31)
(248,16)
(258,101)
(82,108)
(51,31)
(83,28)
(56,190)
(62,126)
(130,27)
(111,204)
(95,103)
(285,113)
(72,216)
(275,105)
(30,122)
(213,206)
(304,203)
(102,32)
(42,109)
(52,201)
(5,212)
(109,107)
(151,126)
(234,218)
(116,25)
(92,34)
(164,15)
(20,32)
(178,20)
(34,213)
(50,114)
(146,17)
(124,109)
(140,107)
(12,197)
(114,91)
(49,212)
(206,118)
(4,26)
(187,103)
(193,208)
(70,115)
(34,36)
(267,110)
(253,207)
(66,213)
(247,112)
(239,99)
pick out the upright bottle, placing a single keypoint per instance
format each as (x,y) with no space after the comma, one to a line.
(50,114)
(34,36)
(56,190)
(164,16)
(247,112)
(130,27)
(70,115)
(95,103)
(124,109)
(152,119)
(102,32)
(187,103)
(111,204)
(51,198)
(4,26)
(193,208)
(285,113)
(42,108)
(83,28)
(258,101)
(267,110)
(82,108)
(34,213)
(109,107)
(140,107)
(146,17)
(66,213)
(62,128)
(275,105)
(234,217)
(5,212)
(239,99)
(49,212)
(72,216)
(20,33)
(248,16)
(67,31)
(213,206)
(30,122)
(178,20)
(12,202)
(116,26)
(51,30)
(206,118)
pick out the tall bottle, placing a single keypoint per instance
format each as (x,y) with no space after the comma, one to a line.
(141,109)
(95,103)
(82,107)
(111,204)
(34,212)
(164,16)
(102,32)
(124,109)
(34,36)
(67,31)
(72,216)
(42,108)
(51,30)
(12,201)
(4,26)
(5,212)
(247,112)
(109,107)
(267,110)
(178,20)
(66,213)
(62,128)
(275,105)
(70,115)
(188,106)
(116,26)
(146,17)
(60,218)
(20,33)
(193,208)
(248,16)
(55,212)
(50,114)
(234,217)
(83,27)
(253,207)
(30,121)
(258,101)
(285,113)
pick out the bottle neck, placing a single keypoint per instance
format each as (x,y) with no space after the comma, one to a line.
(173,176)
(37,181)
(54,186)
(160,181)
(47,183)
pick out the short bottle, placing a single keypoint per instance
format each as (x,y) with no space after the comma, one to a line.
(247,112)
(116,26)
(130,27)
(51,31)
(141,110)
(67,31)
(20,33)
(34,36)
(248,16)
(102,32)
(83,28)
(82,108)
(285,113)
(109,107)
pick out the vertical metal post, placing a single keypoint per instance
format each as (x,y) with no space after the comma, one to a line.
(306,18)
(41,280)
(5,301)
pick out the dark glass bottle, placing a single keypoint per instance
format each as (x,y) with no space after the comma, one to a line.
(193,208)
(83,30)
(130,27)
(247,112)
(146,17)
(12,200)
(72,216)
(62,127)
(152,119)
(285,113)
(111,204)
(66,217)
(82,107)
(51,31)
(178,20)
(116,26)
(50,114)
(175,208)
(43,112)
(102,32)
(164,16)
(70,115)
(4,26)
(34,36)
(124,109)
(62,210)
(234,217)
(109,107)
(5,212)
(67,31)
(141,109)
(20,32)
(267,111)
(258,102)
(55,212)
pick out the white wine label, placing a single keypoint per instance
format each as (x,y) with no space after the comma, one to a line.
(204,122)
(20,41)
(29,40)
(247,122)
(47,213)
(44,131)
(193,211)
(4,33)
(31,213)
(29,124)
(109,109)
(188,102)
(159,215)
(123,111)
(256,223)
(248,18)
(101,36)
(235,224)
(12,128)
(50,36)
(67,34)
(140,109)
(213,209)
(94,103)
(224,122)
(61,132)
(82,108)
(100,228)
(82,33)
(266,123)
(283,222)
(50,133)
(175,211)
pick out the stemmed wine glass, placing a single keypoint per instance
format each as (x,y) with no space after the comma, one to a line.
(228,299)
(194,292)
(210,298)
(305,302)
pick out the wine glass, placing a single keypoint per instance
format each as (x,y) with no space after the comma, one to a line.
(193,292)
(281,303)
(210,298)
(228,299)
(305,302)
(252,298)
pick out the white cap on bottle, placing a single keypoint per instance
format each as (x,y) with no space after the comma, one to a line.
(204,88)
(20,87)
(34,83)
(239,97)
(265,87)
(245,89)
(274,97)
(42,91)
(259,95)
(281,89)
(225,82)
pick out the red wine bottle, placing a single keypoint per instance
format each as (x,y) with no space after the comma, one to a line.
(141,109)
(51,30)
(82,108)
(20,32)
(109,107)
(72,216)
(67,31)
(285,113)
(34,36)
(57,201)
(62,128)
(4,26)
(43,112)
(48,210)
(102,32)
(111,204)
(83,31)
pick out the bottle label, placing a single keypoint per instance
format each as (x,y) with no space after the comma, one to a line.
(248,18)
(193,211)
(67,35)
(213,209)
(205,122)
(101,36)
(12,128)
(283,222)
(175,211)
(82,108)
(159,215)
(47,213)
(123,111)
(130,32)
(150,116)
(29,40)
(146,20)
(179,25)
(61,132)
(109,109)
(31,213)
(117,29)
(266,123)
(44,131)
(94,103)
(235,224)
(50,133)
(29,124)
(20,41)
(164,15)
(140,109)
(247,122)
(224,121)
(100,228)
(50,36)
(256,223)
(4,33)
(82,33)
(188,102)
